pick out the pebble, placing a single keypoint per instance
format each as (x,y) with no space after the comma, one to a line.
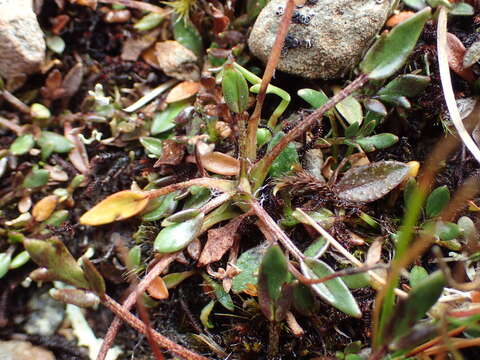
(22,46)
(326,38)
(23,350)
(45,315)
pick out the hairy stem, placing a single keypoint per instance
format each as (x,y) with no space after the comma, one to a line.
(131,300)
(217,184)
(138,325)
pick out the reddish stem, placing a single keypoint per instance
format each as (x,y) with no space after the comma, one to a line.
(273,59)
(138,325)
(131,300)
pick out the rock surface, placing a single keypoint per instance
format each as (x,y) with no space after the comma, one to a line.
(23,350)
(177,61)
(326,38)
(22,47)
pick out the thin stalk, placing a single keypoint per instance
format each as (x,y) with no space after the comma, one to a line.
(447,85)
(260,169)
(273,340)
(276,231)
(138,325)
(274,58)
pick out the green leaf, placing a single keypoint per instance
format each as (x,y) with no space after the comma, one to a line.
(462,9)
(177,236)
(472,55)
(22,144)
(408,85)
(149,22)
(57,142)
(437,200)
(351,110)
(5,259)
(419,301)
(272,276)
(134,257)
(447,231)
(174,279)
(187,35)
(234,89)
(166,206)
(317,248)
(205,314)
(352,130)
(263,137)
(371,182)
(416,4)
(248,263)
(376,142)
(55,43)
(164,121)
(334,291)
(356,281)
(54,255)
(388,54)
(36,178)
(315,98)
(287,158)
(303,300)
(222,296)
(417,275)
(19,260)
(153,145)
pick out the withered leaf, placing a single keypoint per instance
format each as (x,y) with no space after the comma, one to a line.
(456,52)
(219,241)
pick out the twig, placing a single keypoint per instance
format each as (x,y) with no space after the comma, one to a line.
(435,341)
(138,325)
(11,125)
(273,59)
(131,300)
(276,231)
(261,168)
(447,85)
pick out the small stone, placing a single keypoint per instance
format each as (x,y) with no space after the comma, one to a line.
(45,316)
(23,350)
(177,61)
(22,47)
(326,38)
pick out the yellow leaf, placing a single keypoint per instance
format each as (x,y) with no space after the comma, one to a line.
(118,206)
(44,208)
(157,289)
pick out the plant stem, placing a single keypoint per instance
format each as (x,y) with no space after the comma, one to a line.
(274,58)
(273,340)
(131,300)
(260,169)
(138,325)
(276,231)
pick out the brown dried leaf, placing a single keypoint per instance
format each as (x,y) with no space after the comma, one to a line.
(78,155)
(182,91)
(220,163)
(219,241)
(177,61)
(134,46)
(456,52)
(374,253)
(172,153)
(72,81)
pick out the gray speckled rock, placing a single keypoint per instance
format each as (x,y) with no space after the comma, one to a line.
(23,350)
(22,47)
(326,38)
